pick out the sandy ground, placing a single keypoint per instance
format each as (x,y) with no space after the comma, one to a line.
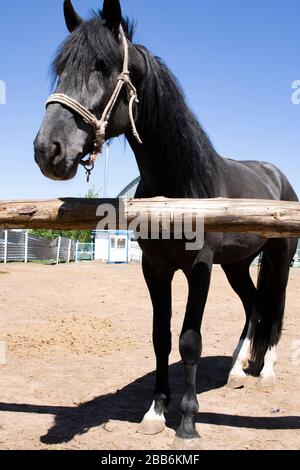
(79,372)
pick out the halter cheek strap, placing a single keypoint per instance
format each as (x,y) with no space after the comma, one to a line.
(101,125)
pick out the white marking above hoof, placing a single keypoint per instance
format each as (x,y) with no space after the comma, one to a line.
(240,361)
(153,422)
(267,376)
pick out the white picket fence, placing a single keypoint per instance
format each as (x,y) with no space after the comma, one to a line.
(25,247)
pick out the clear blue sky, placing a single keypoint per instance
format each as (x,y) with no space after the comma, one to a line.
(235,59)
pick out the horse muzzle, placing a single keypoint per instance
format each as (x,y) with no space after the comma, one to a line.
(53,161)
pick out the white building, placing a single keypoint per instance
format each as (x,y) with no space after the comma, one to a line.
(118,246)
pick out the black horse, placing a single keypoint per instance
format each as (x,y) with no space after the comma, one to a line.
(176,160)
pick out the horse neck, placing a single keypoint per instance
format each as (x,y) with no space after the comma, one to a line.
(176,158)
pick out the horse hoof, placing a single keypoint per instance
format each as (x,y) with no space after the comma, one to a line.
(151,427)
(187,444)
(236,381)
(267,381)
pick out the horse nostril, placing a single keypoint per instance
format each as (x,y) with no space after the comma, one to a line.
(51,157)
(57,159)
(56,152)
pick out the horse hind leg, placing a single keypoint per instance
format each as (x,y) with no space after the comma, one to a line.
(240,359)
(267,376)
(240,280)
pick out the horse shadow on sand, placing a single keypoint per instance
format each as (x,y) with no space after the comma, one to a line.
(130,404)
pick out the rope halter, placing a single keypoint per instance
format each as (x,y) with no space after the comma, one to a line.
(100,126)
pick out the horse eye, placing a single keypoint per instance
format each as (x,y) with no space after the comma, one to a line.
(100,66)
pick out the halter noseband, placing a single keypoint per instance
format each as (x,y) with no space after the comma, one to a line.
(101,125)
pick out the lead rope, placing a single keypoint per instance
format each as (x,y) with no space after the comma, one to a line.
(101,125)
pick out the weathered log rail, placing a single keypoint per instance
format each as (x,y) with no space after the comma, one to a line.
(267,218)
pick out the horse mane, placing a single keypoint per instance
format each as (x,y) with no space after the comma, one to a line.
(172,131)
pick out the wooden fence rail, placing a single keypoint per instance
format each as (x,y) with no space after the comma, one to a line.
(268,218)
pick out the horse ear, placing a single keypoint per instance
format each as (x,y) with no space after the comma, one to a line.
(73,20)
(112,14)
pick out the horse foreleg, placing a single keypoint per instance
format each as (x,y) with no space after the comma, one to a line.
(190,346)
(161,296)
